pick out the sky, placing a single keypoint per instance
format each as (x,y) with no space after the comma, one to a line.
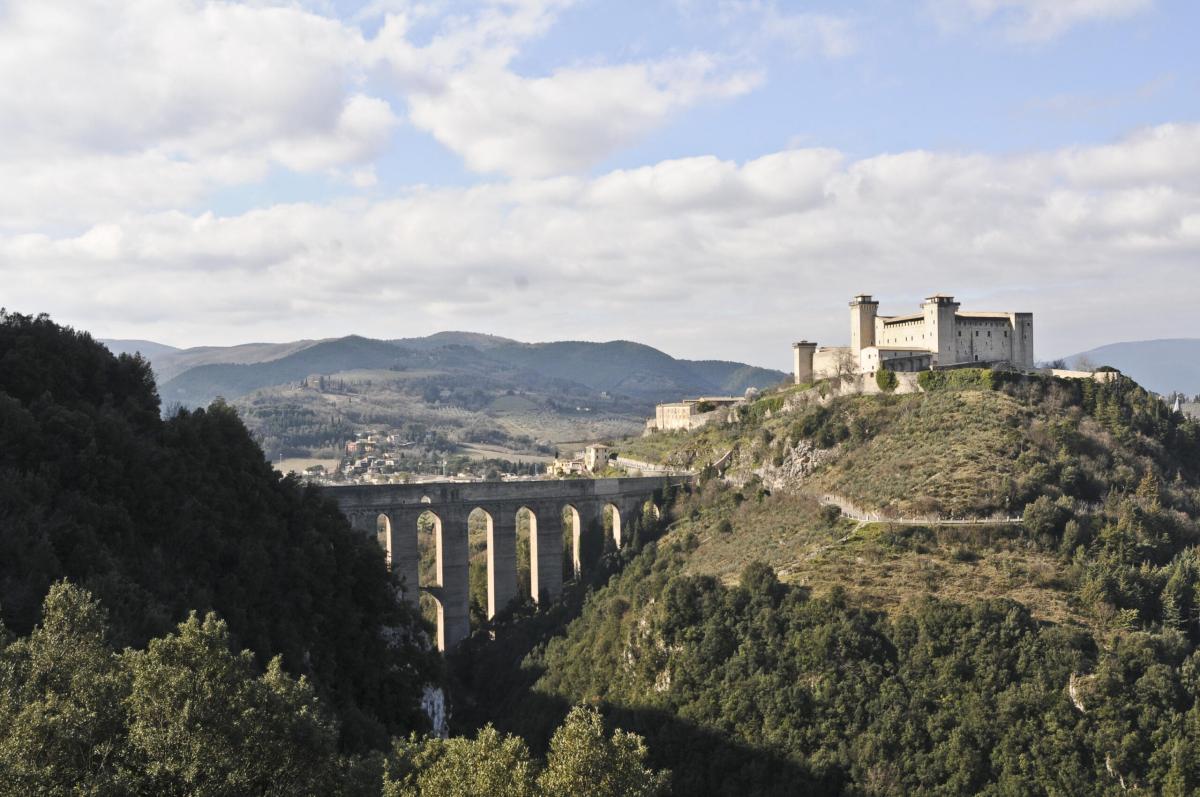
(715,178)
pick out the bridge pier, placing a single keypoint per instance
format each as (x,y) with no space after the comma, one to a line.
(453,590)
(501,560)
(545,553)
(405,557)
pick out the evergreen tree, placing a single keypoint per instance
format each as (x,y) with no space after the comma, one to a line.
(585,762)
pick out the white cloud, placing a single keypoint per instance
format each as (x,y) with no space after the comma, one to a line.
(462,89)
(829,35)
(565,122)
(141,104)
(117,106)
(702,256)
(1036,20)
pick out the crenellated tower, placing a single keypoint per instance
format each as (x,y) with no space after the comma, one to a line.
(939,311)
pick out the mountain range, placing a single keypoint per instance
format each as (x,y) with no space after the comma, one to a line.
(1164,366)
(195,376)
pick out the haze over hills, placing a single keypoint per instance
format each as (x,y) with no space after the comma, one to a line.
(195,376)
(1167,365)
(466,388)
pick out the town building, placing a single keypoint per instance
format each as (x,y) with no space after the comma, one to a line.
(688,414)
(942,335)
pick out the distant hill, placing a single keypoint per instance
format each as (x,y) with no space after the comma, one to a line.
(195,376)
(1159,365)
(199,385)
(634,369)
(147,348)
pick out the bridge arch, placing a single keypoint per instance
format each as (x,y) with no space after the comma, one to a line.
(392,514)
(613,524)
(573,541)
(429,527)
(383,536)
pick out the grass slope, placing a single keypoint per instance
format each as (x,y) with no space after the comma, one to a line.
(765,645)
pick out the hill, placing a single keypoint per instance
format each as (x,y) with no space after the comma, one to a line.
(466,388)
(160,517)
(1164,366)
(765,644)
(634,369)
(147,348)
(640,372)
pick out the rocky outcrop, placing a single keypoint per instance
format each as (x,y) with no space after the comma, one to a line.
(798,463)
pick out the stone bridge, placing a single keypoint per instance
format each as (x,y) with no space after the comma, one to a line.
(392,511)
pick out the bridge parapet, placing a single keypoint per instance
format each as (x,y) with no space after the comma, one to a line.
(451,503)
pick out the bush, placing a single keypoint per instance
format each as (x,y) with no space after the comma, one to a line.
(887,380)
(958,379)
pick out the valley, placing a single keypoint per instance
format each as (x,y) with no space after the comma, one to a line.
(465,396)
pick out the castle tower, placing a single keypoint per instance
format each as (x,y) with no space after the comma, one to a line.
(804,352)
(939,311)
(862,323)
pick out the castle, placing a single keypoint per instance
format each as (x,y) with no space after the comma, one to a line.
(940,336)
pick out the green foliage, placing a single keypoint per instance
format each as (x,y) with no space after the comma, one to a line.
(957,379)
(584,761)
(760,689)
(202,723)
(887,380)
(161,517)
(185,716)
(62,691)
(490,764)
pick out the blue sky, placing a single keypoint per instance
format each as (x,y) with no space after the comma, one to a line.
(713,178)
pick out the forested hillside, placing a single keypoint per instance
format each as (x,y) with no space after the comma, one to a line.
(751,639)
(765,645)
(161,517)
(178,619)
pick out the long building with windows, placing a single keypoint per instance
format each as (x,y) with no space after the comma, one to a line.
(941,335)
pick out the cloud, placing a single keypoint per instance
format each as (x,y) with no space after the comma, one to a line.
(140,104)
(565,122)
(1035,20)
(462,89)
(126,106)
(702,256)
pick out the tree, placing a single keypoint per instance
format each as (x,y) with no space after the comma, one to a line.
(585,762)
(844,366)
(186,716)
(62,696)
(204,725)
(887,380)
(489,764)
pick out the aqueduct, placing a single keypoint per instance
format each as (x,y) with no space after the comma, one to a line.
(396,509)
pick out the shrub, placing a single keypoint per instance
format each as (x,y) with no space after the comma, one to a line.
(959,379)
(886,380)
